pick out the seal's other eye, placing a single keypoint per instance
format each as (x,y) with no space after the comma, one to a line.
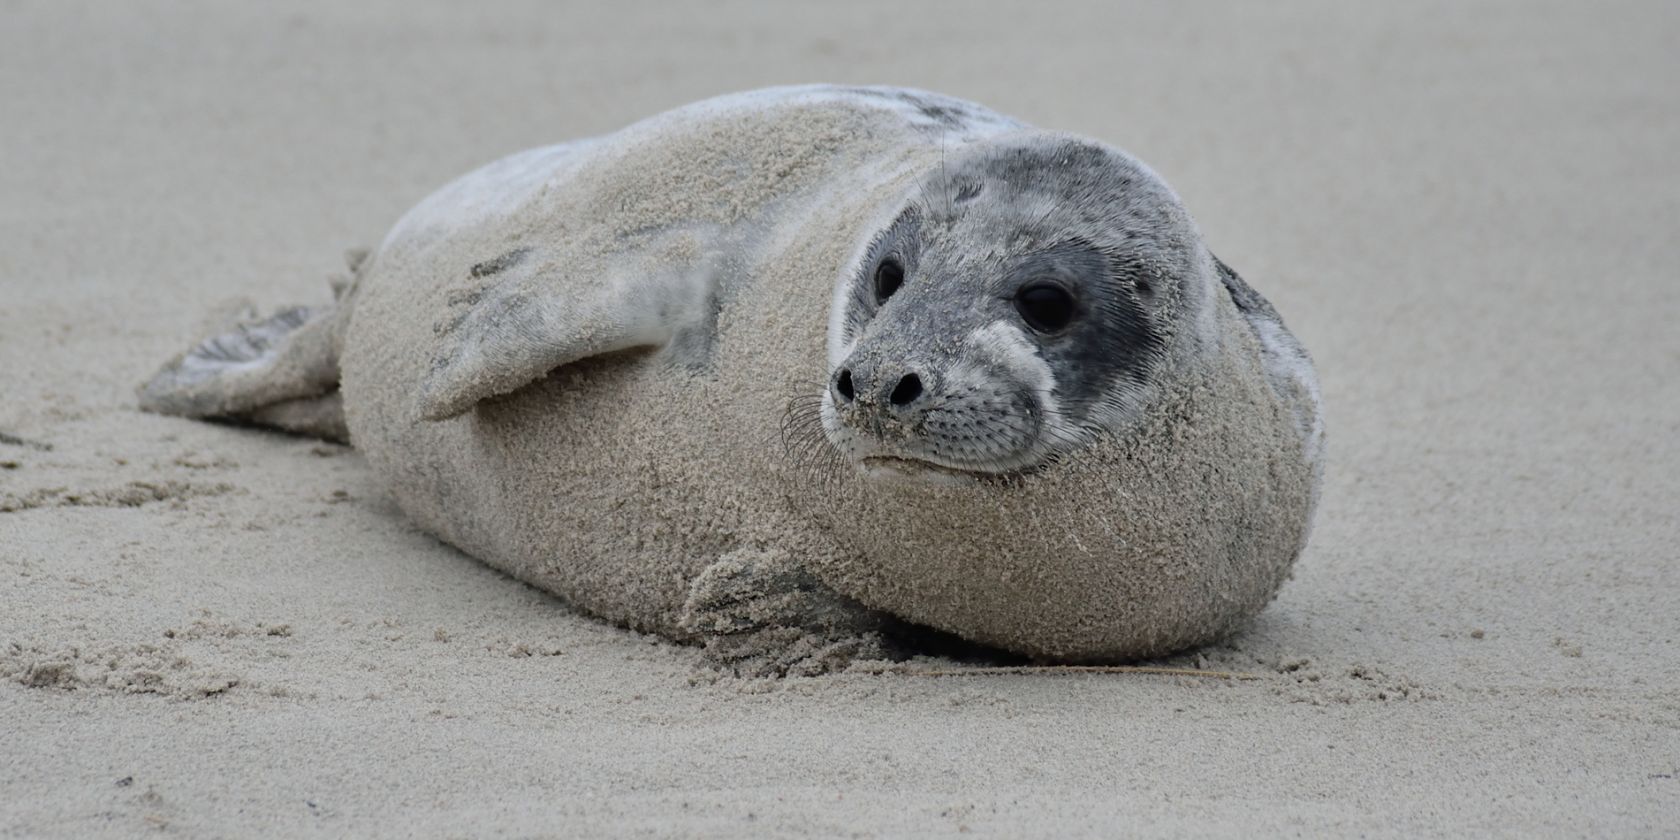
(889,275)
(1046,307)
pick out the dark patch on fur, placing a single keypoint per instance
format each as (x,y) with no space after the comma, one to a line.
(1248,301)
(691,347)
(943,112)
(499,264)
(1112,334)
(464,297)
(14,440)
(1073,159)
(949,113)
(902,241)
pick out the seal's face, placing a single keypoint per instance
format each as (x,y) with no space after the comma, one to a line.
(1018,306)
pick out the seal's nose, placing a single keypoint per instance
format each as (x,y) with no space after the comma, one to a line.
(907,391)
(865,386)
(843,386)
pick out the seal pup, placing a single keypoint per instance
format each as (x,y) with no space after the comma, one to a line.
(1017,398)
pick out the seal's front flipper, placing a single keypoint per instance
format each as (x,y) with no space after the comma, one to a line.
(279,371)
(759,613)
(518,316)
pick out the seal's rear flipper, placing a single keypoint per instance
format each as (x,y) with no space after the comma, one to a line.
(321,417)
(280,371)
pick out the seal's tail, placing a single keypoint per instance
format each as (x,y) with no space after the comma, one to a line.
(280,371)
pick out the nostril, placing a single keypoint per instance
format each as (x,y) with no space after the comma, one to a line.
(843,384)
(908,389)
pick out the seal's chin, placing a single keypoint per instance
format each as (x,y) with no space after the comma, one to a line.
(893,469)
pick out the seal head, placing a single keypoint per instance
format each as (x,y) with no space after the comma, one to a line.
(1019,304)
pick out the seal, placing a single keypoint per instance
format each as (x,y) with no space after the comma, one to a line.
(793,372)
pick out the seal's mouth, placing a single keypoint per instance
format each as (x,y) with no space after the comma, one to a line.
(899,468)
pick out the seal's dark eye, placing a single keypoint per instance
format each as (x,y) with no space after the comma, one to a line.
(889,275)
(1046,307)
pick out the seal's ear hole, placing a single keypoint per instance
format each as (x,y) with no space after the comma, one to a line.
(889,275)
(1143,286)
(1046,307)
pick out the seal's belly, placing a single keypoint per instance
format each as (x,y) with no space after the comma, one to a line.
(606,482)
(611,481)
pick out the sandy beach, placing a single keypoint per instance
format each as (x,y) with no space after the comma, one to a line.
(1467,212)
